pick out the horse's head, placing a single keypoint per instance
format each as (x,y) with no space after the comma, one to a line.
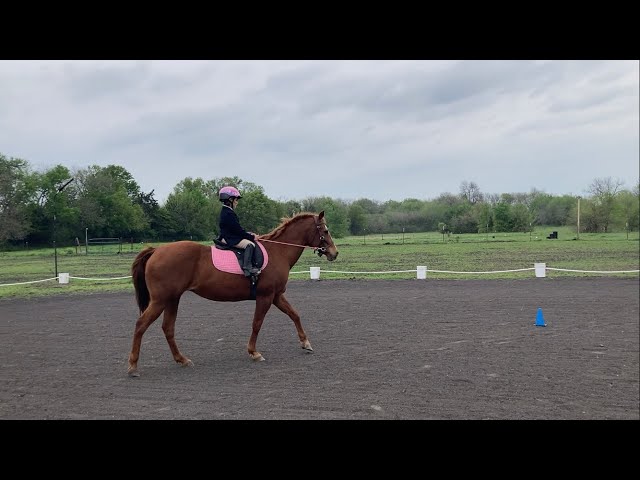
(325,245)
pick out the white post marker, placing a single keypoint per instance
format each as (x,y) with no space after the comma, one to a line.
(315,273)
(541,269)
(422,272)
(63,278)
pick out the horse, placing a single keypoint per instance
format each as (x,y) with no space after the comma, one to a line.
(162,274)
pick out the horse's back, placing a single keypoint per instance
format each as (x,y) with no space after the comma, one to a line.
(177,260)
(182,247)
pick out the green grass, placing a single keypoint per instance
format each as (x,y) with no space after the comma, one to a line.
(373,253)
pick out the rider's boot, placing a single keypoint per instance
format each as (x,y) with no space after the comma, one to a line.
(247,262)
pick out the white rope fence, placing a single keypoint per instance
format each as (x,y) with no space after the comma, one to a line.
(314,273)
(593,271)
(25,283)
(63,278)
(114,278)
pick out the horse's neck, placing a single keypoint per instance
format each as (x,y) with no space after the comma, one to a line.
(299,231)
(296,235)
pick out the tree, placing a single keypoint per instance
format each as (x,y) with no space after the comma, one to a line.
(471,192)
(105,203)
(484,216)
(377,223)
(432,213)
(540,209)
(521,218)
(448,199)
(335,211)
(357,219)
(502,217)
(289,208)
(368,206)
(629,209)
(14,219)
(546,209)
(122,177)
(152,212)
(465,222)
(257,212)
(191,210)
(46,202)
(456,213)
(603,195)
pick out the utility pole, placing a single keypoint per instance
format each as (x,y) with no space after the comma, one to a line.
(578,235)
(55,247)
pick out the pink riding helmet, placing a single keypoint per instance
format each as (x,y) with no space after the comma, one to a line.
(227,192)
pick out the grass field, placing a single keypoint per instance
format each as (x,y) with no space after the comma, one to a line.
(360,254)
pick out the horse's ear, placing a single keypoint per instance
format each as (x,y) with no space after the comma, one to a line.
(321,215)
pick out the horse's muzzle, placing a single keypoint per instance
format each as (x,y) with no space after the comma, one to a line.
(324,251)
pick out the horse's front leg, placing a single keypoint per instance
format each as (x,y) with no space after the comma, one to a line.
(262,307)
(284,305)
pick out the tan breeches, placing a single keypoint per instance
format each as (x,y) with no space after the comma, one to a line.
(244,243)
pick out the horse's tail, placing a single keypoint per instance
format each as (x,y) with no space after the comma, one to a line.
(139,282)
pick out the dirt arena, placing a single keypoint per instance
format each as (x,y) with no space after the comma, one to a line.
(402,349)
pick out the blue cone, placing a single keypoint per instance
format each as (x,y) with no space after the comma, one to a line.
(540,319)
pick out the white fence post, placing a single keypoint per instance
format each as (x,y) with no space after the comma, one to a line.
(315,273)
(422,272)
(541,269)
(63,278)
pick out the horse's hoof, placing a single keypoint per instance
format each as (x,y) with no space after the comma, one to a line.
(133,373)
(187,363)
(257,357)
(307,346)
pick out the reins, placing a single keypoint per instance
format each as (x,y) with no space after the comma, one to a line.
(319,250)
(285,243)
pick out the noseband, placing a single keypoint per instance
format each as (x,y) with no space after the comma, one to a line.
(320,250)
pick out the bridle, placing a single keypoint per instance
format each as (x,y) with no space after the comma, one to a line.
(320,250)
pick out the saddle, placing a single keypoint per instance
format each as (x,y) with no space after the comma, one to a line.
(221,259)
(231,260)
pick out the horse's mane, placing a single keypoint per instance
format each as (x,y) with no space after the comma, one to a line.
(286,221)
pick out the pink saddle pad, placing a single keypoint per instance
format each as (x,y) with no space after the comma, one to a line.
(227,261)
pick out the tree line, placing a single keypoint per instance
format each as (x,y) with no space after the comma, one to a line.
(108,202)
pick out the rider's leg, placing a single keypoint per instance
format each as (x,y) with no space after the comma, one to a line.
(247,262)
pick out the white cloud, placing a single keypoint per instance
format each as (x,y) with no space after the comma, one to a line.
(346,129)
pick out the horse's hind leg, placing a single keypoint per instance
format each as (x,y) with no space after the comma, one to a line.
(149,316)
(169,327)
(284,305)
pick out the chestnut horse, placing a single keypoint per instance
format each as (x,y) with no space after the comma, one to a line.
(161,275)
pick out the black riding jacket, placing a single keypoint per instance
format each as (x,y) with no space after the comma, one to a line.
(230,228)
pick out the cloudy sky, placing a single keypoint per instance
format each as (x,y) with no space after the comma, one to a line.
(383,130)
